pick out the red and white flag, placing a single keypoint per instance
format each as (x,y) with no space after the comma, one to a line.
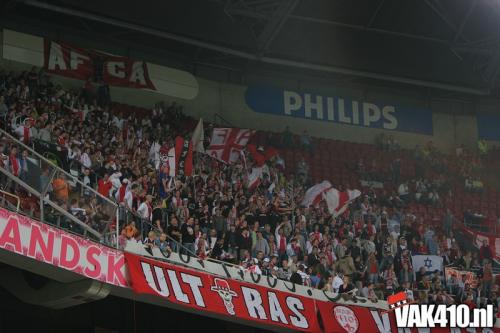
(177,160)
(338,201)
(254,178)
(314,194)
(261,155)
(226,143)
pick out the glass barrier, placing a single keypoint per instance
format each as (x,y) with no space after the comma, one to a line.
(132,226)
(50,194)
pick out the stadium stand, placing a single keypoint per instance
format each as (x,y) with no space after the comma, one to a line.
(108,156)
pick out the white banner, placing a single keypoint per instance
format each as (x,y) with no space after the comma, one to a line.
(431,263)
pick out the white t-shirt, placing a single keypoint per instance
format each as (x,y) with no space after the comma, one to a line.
(129,197)
(143,210)
(337,282)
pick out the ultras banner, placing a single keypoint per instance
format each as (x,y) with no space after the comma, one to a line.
(206,292)
(251,302)
(78,63)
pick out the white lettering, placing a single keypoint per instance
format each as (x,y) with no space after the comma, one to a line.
(371,113)
(462,316)
(295,305)
(179,294)
(76,59)
(355,113)
(413,317)
(342,117)
(309,106)
(195,284)
(330,108)
(383,324)
(138,74)
(292,101)
(275,309)
(426,319)
(56,57)
(402,316)
(160,277)
(440,317)
(253,302)
(391,121)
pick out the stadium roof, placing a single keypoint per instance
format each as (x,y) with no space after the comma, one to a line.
(444,44)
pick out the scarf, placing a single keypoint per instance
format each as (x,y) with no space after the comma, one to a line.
(14,164)
(121,195)
(282,244)
(26,136)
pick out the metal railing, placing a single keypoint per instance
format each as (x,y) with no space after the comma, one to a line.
(54,194)
(4,199)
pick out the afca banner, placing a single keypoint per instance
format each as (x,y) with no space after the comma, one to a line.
(78,63)
(340,110)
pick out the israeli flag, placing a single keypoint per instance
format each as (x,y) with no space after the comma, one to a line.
(431,263)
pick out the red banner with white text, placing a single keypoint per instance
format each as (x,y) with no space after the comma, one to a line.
(44,243)
(255,303)
(478,238)
(339,318)
(226,297)
(78,63)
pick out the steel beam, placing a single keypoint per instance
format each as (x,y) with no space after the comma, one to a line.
(254,57)
(363,28)
(274,26)
(464,20)
(375,13)
(444,18)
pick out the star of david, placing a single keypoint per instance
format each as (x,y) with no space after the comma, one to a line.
(427,263)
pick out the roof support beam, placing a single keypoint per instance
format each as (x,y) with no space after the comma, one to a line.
(443,17)
(375,13)
(363,28)
(254,57)
(273,27)
(464,20)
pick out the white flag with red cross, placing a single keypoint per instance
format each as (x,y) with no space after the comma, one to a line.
(227,143)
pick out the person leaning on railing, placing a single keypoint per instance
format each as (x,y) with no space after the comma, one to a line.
(60,188)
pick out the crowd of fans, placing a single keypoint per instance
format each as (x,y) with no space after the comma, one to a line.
(213,214)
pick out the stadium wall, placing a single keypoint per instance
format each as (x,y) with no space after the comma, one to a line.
(453,121)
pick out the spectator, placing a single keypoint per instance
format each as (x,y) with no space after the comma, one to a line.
(60,188)
(188,237)
(485,253)
(261,245)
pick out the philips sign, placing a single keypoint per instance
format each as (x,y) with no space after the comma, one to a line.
(340,110)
